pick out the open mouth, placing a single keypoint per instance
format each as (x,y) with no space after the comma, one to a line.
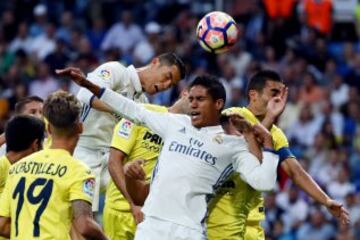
(194,115)
(156,88)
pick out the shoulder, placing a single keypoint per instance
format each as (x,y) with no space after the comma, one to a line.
(278,134)
(78,167)
(240,110)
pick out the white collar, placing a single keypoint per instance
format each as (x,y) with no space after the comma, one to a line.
(213,129)
(134,78)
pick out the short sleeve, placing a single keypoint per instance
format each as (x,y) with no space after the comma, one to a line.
(124,136)
(281,145)
(107,75)
(83,185)
(5,200)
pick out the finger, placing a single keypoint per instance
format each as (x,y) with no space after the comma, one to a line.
(285,94)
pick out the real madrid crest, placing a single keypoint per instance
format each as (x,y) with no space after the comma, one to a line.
(218,138)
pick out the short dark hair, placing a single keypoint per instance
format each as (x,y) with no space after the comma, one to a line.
(214,87)
(19,106)
(62,110)
(170,59)
(258,80)
(21,131)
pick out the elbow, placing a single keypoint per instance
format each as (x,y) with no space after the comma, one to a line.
(263,182)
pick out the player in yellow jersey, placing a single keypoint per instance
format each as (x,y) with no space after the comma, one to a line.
(130,142)
(24,135)
(48,190)
(238,209)
(32,106)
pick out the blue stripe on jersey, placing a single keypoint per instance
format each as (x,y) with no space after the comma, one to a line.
(156,168)
(223,177)
(85,112)
(285,153)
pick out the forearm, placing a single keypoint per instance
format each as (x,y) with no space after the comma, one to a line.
(5,227)
(2,139)
(263,177)
(116,170)
(302,179)
(138,190)
(268,121)
(92,230)
(253,146)
(123,106)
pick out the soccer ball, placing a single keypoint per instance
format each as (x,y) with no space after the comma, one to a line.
(217,32)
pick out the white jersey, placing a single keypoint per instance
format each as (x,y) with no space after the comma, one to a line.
(193,163)
(3,149)
(98,126)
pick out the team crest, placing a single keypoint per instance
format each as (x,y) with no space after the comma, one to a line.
(125,129)
(89,187)
(219,139)
(105,74)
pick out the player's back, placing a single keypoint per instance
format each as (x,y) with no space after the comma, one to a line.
(39,192)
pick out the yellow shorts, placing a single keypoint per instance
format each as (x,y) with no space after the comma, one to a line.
(254,232)
(118,225)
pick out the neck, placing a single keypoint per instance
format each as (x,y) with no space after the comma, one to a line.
(142,76)
(66,143)
(259,115)
(16,156)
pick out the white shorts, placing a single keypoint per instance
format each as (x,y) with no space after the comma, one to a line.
(97,160)
(156,229)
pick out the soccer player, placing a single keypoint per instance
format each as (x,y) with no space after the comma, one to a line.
(131,141)
(197,157)
(24,135)
(93,147)
(238,209)
(28,106)
(48,190)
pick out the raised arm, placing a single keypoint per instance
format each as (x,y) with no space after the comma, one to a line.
(262,176)
(121,105)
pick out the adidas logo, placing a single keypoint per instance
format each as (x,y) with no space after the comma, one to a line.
(182,130)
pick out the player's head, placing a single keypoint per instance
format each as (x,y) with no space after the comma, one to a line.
(32,105)
(24,133)
(62,110)
(263,86)
(207,98)
(163,72)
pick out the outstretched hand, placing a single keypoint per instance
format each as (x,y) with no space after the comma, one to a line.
(338,211)
(276,105)
(73,73)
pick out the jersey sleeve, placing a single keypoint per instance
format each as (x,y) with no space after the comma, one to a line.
(124,136)
(157,122)
(262,176)
(106,75)
(5,200)
(83,185)
(281,145)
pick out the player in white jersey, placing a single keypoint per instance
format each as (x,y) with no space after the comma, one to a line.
(28,106)
(196,159)
(93,147)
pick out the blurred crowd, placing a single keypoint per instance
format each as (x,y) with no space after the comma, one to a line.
(313,44)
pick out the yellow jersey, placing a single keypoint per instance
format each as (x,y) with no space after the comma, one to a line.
(137,142)
(237,204)
(4,169)
(39,191)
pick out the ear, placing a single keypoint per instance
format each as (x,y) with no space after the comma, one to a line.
(36,146)
(252,94)
(49,129)
(219,104)
(155,61)
(80,127)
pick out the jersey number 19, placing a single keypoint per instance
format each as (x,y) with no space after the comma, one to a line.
(42,198)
